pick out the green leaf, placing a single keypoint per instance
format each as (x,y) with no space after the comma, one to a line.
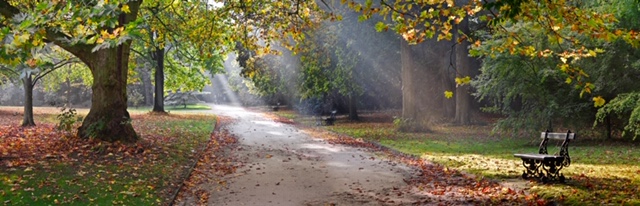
(26,23)
(380,26)
(362,18)
(368,3)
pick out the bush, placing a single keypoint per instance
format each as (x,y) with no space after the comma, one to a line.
(67,119)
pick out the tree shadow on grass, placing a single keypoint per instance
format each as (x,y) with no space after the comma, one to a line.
(583,189)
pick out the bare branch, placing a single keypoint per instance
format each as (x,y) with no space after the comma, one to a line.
(55,67)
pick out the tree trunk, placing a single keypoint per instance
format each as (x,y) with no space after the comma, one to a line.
(422,88)
(448,83)
(68,92)
(353,108)
(158,103)
(147,86)
(28,102)
(463,65)
(108,118)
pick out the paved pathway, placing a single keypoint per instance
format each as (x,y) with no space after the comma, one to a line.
(281,165)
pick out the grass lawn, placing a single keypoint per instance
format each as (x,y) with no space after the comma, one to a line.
(172,108)
(601,173)
(43,166)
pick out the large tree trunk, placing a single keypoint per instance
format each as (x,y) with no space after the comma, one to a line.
(463,65)
(27,119)
(108,118)
(158,103)
(422,88)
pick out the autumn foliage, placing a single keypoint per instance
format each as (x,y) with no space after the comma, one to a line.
(43,165)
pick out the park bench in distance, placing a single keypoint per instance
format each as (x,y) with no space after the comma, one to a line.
(331,119)
(328,121)
(547,167)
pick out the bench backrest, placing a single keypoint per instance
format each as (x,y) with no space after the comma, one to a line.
(558,135)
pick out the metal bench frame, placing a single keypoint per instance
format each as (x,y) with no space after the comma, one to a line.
(543,166)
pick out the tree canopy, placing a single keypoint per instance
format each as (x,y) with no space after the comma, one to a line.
(100,33)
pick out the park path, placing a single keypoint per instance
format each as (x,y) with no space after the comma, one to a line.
(278,164)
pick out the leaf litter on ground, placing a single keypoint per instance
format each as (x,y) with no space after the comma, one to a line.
(43,165)
(212,165)
(436,184)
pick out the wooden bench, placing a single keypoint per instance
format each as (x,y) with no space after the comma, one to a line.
(331,119)
(546,167)
(326,121)
(276,107)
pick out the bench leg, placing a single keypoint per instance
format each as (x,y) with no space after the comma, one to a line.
(552,171)
(532,169)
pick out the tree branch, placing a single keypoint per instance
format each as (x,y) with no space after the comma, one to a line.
(55,67)
(396,10)
(7,10)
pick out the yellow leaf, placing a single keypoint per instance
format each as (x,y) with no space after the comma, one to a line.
(100,40)
(125,9)
(450,3)
(563,59)
(569,80)
(463,81)
(598,101)
(448,94)
(36,42)
(20,39)
(104,34)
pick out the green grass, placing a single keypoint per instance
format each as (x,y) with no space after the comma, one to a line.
(104,179)
(601,172)
(289,114)
(170,108)
(64,183)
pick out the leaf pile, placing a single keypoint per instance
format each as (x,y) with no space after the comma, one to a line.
(447,186)
(41,165)
(210,168)
(24,146)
